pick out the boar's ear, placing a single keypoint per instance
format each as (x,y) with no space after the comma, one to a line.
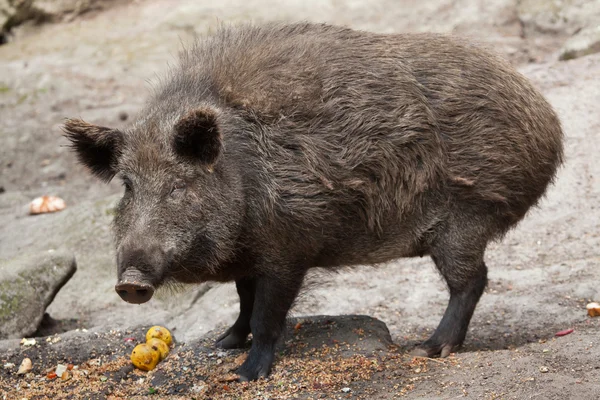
(97,147)
(197,135)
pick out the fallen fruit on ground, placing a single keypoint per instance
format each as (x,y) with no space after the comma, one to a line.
(593,309)
(46,204)
(160,346)
(159,332)
(145,357)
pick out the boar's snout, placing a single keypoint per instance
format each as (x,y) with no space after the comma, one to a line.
(134,292)
(140,269)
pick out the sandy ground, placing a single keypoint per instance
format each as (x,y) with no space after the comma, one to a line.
(541,275)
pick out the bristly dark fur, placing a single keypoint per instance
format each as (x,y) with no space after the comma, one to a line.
(95,146)
(326,147)
(317,91)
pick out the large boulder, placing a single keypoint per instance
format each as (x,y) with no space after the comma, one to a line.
(557,16)
(27,286)
(576,21)
(585,42)
(15,12)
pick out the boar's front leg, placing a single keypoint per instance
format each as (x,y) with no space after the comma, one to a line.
(236,336)
(273,297)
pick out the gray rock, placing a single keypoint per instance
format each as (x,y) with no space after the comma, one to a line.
(585,42)
(55,9)
(557,16)
(27,286)
(9,13)
(356,334)
(352,334)
(15,12)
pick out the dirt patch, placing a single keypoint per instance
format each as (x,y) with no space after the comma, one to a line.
(321,357)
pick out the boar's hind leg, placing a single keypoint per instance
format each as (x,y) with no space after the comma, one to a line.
(236,335)
(272,300)
(466,275)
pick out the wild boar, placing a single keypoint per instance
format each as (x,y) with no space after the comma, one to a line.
(276,148)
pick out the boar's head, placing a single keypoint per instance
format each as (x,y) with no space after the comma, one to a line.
(180,212)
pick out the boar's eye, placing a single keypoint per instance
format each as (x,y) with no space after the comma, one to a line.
(127,184)
(178,187)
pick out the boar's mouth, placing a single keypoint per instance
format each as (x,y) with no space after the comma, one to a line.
(133,288)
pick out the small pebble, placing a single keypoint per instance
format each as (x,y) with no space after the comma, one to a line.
(346,390)
(593,309)
(123,116)
(544,369)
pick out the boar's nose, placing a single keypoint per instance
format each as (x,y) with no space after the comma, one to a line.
(141,266)
(134,292)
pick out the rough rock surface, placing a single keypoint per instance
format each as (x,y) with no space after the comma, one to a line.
(585,42)
(575,22)
(557,16)
(541,275)
(27,286)
(16,12)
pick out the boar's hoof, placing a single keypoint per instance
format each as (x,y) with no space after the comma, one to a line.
(231,339)
(431,350)
(135,293)
(256,366)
